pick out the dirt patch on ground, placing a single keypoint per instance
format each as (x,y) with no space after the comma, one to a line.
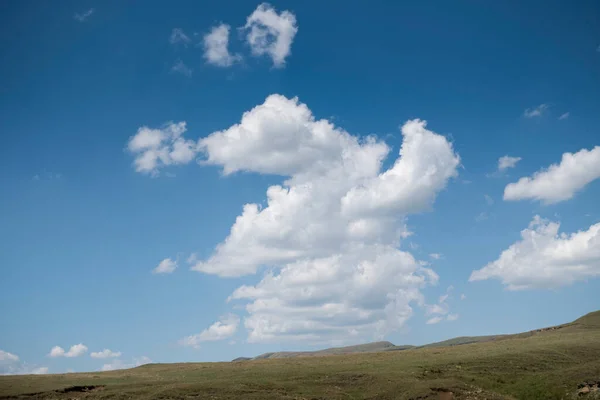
(445,395)
(53,393)
(80,389)
(590,387)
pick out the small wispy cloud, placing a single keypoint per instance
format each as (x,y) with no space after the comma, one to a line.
(10,364)
(180,68)
(442,309)
(435,256)
(178,36)
(488,199)
(564,116)
(81,17)
(452,317)
(166,266)
(434,320)
(506,162)
(482,216)
(47,176)
(222,329)
(106,353)
(536,111)
(8,357)
(120,364)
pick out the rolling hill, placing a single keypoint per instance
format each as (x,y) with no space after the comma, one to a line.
(591,320)
(361,348)
(560,362)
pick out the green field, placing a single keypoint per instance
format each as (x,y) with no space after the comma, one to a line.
(553,363)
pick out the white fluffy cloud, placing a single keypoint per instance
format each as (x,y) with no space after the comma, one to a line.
(156,148)
(106,353)
(222,329)
(425,165)
(56,351)
(216,47)
(271,33)
(11,365)
(282,137)
(543,258)
(6,357)
(335,197)
(536,111)
(365,293)
(22,369)
(120,364)
(166,266)
(558,182)
(75,351)
(506,162)
(330,233)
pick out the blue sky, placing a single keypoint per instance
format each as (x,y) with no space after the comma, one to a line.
(125,143)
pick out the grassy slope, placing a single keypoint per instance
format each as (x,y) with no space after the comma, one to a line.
(540,365)
(361,348)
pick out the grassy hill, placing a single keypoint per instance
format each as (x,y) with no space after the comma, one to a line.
(361,348)
(549,363)
(591,320)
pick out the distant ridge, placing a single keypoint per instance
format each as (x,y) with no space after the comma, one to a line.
(241,359)
(591,320)
(361,348)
